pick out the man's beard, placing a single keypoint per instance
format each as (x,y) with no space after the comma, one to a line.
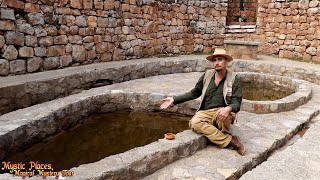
(218,69)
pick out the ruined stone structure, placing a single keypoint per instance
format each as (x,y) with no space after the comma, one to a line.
(40,35)
(288,28)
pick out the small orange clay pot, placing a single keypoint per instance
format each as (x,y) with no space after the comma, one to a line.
(169,136)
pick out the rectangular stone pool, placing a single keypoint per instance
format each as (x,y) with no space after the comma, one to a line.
(101,135)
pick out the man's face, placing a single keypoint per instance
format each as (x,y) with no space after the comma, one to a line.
(219,63)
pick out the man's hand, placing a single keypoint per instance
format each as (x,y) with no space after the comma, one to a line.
(166,102)
(224,113)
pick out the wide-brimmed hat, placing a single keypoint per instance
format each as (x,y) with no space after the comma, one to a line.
(219,52)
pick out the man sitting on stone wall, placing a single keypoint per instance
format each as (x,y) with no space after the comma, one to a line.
(221,97)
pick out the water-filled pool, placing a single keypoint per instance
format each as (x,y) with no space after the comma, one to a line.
(101,135)
(262,92)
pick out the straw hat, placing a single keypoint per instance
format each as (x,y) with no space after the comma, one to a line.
(219,52)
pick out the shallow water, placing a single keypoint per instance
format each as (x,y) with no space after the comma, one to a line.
(100,136)
(255,92)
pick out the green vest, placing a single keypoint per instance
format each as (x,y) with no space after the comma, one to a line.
(227,86)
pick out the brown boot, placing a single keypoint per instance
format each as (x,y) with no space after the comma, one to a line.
(236,144)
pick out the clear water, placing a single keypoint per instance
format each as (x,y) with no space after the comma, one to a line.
(100,136)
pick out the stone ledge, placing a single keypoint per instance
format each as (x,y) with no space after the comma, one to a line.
(303,93)
(32,89)
(249,43)
(242,49)
(144,160)
(299,161)
(279,67)
(241,28)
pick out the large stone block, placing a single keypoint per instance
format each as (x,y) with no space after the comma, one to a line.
(63,39)
(102,22)
(26,52)
(64,29)
(92,21)
(51,63)
(40,51)
(89,46)
(106,57)
(312,51)
(34,64)
(88,39)
(97,39)
(31,41)
(14,4)
(78,53)
(40,31)
(313,3)
(286,54)
(14,38)
(36,18)
(63,2)
(76,4)
(313,11)
(303,4)
(7,14)
(98,4)
(91,55)
(46,41)
(56,51)
(125,29)
(74,30)
(87,4)
(17,67)
(51,30)
(102,47)
(10,53)
(31,8)
(316,59)
(70,20)
(7,25)
(81,21)
(300,49)
(89,31)
(65,60)
(242,49)
(25,28)
(4,67)
(109,4)
(75,39)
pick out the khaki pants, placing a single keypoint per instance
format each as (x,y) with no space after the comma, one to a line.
(205,122)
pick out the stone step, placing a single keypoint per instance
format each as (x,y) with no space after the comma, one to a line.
(262,134)
(298,161)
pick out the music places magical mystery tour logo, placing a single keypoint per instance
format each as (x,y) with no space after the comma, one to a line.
(32,169)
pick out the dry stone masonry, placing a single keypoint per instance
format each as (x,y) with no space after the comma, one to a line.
(288,28)
(40,35)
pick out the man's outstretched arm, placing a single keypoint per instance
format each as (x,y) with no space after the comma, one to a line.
(193,94)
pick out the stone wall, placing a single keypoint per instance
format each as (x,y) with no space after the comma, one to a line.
(290,29)
(40,35)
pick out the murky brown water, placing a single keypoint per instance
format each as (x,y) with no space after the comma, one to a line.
(100,136)
(252,91)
